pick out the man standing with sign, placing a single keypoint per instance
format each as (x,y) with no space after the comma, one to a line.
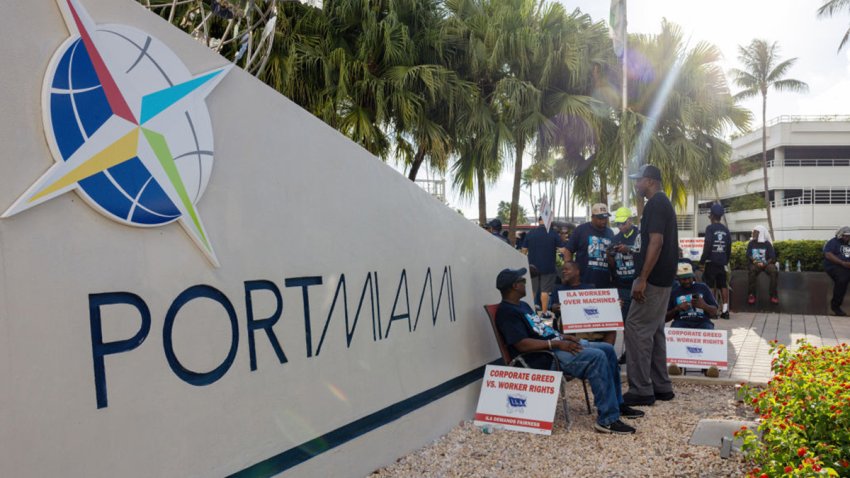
(657,254)
(691,306)
(524,332)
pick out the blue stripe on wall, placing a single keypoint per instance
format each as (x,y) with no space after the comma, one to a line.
(307,450)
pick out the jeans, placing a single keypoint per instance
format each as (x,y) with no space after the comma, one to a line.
(840,278)
(687,324)
(597,363)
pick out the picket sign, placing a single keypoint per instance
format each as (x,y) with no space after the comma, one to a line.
(697,348)
(691,247)
(590,310)
(518,399)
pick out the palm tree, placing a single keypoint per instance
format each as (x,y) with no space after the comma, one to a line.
(763,70)
(830,8)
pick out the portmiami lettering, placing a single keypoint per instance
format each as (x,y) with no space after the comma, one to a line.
(436,293)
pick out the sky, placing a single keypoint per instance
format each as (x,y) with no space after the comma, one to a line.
(726,24)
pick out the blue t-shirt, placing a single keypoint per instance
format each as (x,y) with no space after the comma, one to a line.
(718,245)
(840,249)
(589,247)
(541,247)
(680,295)
(519,321)
(760,251)
(624,264)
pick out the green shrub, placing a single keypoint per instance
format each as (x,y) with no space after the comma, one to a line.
(805,414)
(808,252)
(747,202)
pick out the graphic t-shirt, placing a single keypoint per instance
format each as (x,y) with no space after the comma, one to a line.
(659,218)
(718,245)
(760,251)
(680,295)
(541,247)
(518,321)
(589,247)
(624,263)
(839,248)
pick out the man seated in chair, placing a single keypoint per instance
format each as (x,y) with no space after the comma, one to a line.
(691,306)
(596,362)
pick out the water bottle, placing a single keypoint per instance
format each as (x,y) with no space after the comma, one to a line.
(787,265)
(799,269)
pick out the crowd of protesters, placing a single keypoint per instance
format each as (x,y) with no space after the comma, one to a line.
(655,285)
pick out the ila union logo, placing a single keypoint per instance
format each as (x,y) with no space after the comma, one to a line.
(128,127)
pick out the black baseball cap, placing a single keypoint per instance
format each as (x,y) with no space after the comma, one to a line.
(647,171)
(508,277)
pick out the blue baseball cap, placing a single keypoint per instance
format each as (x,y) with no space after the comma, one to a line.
(508,277)
(717,210)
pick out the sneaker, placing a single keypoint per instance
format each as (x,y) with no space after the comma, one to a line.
(617,428)
(632,400)
(629,412)
(724,315)
(837,311)
(674,369)
(622,359)
(665,396)
(774,300)
(711,372)
(751,299)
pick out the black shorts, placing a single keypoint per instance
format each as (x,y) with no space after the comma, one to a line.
(714,276)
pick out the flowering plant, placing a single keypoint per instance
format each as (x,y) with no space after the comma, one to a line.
(805,414)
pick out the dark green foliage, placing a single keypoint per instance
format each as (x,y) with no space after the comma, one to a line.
(808,252)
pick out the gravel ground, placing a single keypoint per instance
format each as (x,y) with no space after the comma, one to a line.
(658,449)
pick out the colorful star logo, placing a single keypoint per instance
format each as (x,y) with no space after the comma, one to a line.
(142,106)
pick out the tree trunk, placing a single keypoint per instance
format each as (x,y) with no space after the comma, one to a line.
(482,198)
(418,159)
(764,162)
(520,149)
(603,189)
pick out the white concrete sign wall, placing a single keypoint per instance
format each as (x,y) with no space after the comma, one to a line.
(292,305)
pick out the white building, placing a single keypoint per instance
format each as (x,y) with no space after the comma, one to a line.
(808,176)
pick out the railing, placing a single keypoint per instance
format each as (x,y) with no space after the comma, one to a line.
(685,222)
(435,187)
(805,118)
(816,196)
(815,162)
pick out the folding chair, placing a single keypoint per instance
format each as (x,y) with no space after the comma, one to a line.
(519,361)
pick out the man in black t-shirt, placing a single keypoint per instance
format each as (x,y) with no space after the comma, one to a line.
(525,332)
(656,260)
(588,246)
(715,255)
(836,263)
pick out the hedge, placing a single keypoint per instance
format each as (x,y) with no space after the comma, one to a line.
(809,253)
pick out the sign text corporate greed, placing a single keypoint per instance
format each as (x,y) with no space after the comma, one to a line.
(401,310)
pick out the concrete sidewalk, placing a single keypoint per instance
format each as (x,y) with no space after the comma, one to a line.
(749,334)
